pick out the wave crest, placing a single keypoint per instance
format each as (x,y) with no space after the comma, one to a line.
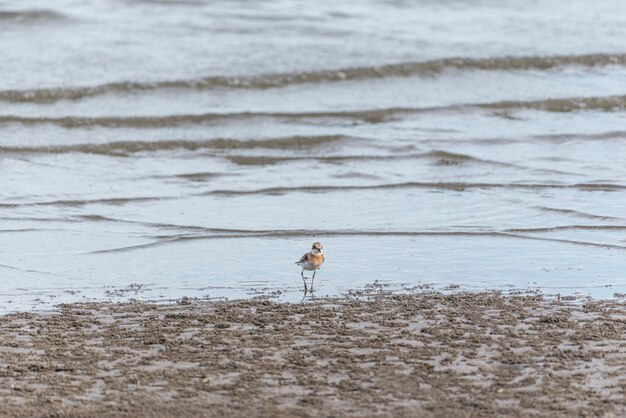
(406,69)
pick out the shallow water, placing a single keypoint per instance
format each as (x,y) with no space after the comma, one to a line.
(198,148)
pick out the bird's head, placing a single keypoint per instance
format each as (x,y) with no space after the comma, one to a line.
(317,246)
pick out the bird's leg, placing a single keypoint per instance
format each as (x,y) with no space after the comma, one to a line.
(313,278)
(304,280)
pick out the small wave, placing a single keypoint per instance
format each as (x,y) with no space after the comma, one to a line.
(264,234)
(450,158)
(453,158)
(105,201)
(125,148)
(265,160)
(569,228)
(607,104)
(198,177)
(28,16)
(406,69)
(439,157)
(85,202)
(574,242)
(577,213)
(9,267)
(611,135)
(74,122)
(6,266)
(11,231)
(456,186)
(357,175)
(238,234)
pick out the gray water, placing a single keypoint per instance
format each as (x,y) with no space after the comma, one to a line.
(161,149)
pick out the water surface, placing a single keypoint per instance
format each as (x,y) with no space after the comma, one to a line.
(161,149)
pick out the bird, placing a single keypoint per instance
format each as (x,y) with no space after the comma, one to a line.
(311,261)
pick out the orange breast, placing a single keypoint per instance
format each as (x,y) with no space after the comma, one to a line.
(316,259)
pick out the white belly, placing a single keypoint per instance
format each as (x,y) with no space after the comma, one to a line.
(309,266)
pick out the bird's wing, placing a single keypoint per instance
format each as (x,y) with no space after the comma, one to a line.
(303,258)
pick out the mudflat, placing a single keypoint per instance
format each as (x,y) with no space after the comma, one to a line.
(428,355)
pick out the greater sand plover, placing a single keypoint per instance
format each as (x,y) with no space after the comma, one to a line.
(311,261)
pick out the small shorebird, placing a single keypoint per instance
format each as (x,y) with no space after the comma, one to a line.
(311,261)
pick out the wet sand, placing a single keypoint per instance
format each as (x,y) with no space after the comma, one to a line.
(428,355)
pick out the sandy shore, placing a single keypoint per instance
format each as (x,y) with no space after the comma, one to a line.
(426,355)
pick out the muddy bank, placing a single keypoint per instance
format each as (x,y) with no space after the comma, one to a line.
(428,355)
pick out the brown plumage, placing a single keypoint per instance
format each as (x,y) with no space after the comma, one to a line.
(311,261)
(315,259)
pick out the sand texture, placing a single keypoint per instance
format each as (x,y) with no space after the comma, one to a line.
(427,355)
